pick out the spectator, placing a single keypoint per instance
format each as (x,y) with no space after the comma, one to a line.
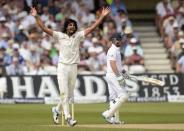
(94,51)
(109,28)
(25,52)
(179,4)
(16,54)
(46,42)
(96,47)
(88,42)
(176,51)
(168,25)
(2,65)
(51,22)
(92,62)
(163,9)
(180,64)
(136,58)
(5,57)
(86,16)
(11,24)
(36,70)
(181,53)
(34,55)
(21,36)
(54,55)
(4,40)
(15,68)
(45,14)
(129,33)
(26,20)
(122,21)
(83,66)
(60,15)
(53,7)
(176,30)
(4,28)
(102,59)
(48,68)
(11,7)
(89,4)
(180,18)
(117,5)
(136,63)
(133,45)
(181,34)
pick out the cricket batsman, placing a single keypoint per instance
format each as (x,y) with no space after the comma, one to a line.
(115,80)
(69,40)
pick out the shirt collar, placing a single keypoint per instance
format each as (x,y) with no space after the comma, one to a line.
(117,48)
(71,35)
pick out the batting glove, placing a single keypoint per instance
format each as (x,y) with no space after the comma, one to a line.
(121,80)
(125,75)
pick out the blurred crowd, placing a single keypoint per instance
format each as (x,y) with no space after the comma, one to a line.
(26,50)
(170,24)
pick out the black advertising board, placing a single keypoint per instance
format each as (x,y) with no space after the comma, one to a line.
(93,88)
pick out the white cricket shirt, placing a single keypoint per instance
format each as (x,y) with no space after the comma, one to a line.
(115,55)
(69,46)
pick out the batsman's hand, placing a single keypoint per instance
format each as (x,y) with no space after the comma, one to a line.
(121,80)
(125,75)
(33,11)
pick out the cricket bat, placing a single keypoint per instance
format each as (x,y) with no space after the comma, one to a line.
(147,79)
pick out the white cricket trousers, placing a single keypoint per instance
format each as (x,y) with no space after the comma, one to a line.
(117,95)
(66,75)
(115,90)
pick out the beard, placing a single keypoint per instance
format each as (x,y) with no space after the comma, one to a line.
(70,32)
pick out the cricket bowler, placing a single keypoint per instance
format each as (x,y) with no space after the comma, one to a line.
(69,40)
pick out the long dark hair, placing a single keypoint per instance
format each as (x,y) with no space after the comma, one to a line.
(67,22)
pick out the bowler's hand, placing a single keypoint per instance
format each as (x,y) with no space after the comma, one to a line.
(105,11)
(33,11)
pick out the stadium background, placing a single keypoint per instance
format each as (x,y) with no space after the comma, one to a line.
(36,54)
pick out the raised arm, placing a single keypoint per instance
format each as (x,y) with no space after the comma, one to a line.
(40,23)
(105,12)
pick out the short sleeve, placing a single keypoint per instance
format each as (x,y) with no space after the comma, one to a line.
(111,55)
(57,35)
(80,35)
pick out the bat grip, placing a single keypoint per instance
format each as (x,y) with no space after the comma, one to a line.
(125,75)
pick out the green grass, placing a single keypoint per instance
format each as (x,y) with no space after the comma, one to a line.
(30,117)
